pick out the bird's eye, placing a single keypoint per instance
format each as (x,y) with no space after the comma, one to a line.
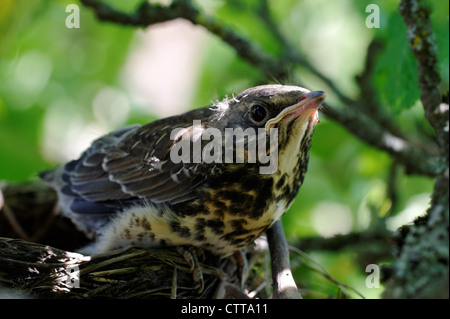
(258,113)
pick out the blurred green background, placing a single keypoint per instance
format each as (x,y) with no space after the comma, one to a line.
(61,87)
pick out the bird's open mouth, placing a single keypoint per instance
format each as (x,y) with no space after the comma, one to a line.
(306,107)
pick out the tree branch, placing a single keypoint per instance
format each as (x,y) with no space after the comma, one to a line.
(147,14)
(412,157)
(379,238)
(284,286)
(423,44)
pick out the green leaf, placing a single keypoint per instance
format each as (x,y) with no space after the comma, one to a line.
(395,75)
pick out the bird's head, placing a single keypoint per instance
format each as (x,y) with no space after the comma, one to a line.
(292,110)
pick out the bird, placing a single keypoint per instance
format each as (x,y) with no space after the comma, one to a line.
(132,187)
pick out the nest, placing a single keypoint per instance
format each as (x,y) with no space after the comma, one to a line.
(42,271)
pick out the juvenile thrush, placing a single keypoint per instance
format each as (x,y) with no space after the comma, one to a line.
(132,186)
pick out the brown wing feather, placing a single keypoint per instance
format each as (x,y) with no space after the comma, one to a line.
(135,162)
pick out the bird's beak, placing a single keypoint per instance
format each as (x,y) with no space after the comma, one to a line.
(306,107)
